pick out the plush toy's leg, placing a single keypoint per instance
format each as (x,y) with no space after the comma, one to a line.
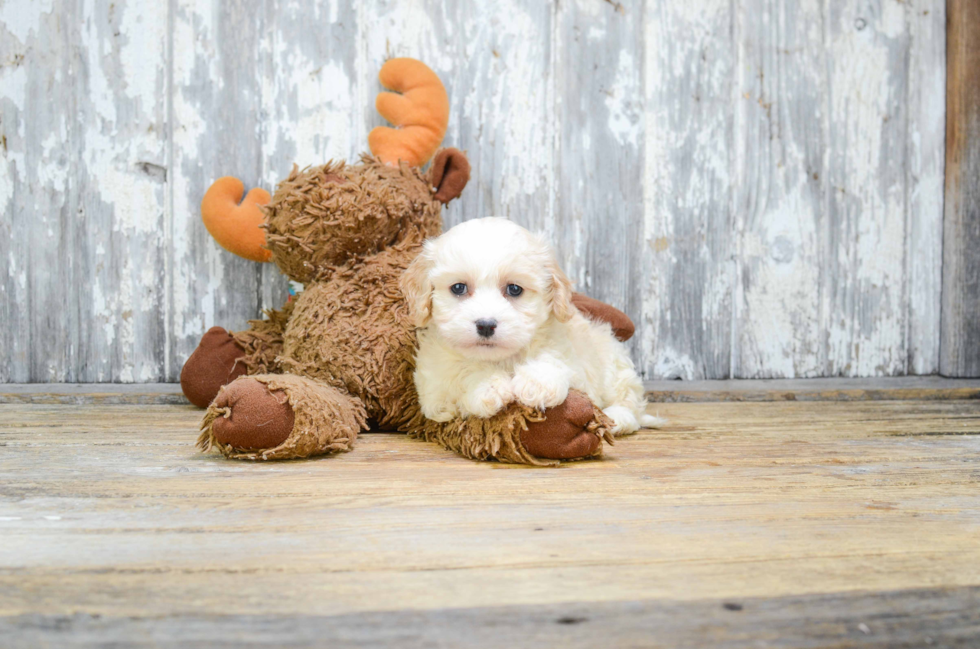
(573,430)
(222,356)
(217,361)
(281,416)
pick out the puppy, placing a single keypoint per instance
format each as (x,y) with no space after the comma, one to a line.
(496,323)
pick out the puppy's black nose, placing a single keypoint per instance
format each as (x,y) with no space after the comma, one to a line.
(486,327)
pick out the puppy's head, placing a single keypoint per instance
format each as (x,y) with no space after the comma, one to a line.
(486,286)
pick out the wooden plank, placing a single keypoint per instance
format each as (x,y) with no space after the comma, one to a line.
(863,301)
(117,324)
(504,110)
(598,227)
(937,617)
(37,191)
(88,393)
(924,185)
(780,180)
(961,234)
(19,84)
(689,134)
(216,130)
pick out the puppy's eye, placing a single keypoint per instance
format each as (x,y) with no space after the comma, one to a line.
(514,290)
(458,289)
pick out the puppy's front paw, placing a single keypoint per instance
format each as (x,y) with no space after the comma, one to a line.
(441,412)
(488,398)
(540,387)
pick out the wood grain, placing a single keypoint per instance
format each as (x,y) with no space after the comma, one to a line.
(925,176)
(689,139)
(758,184)
(864,513)
(864,241)
(961,262)
(934,617)
(36,197)
(780,189)
(599,213)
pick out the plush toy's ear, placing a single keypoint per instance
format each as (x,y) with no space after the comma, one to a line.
(561,294)
(449,174)
(417,288)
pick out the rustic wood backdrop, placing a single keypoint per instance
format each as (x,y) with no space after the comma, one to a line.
(758,183)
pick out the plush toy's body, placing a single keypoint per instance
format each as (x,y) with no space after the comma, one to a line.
(339,358)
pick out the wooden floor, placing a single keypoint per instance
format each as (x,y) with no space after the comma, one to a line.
(804,524)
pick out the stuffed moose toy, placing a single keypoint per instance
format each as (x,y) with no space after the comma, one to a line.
(338,359)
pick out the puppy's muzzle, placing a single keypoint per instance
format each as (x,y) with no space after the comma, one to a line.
(486,327)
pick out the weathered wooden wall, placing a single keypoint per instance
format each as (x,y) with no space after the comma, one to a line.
(759,183)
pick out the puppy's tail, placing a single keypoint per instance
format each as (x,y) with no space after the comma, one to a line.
(652,421)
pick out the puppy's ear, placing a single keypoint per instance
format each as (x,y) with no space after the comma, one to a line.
(561,294)
(417,289)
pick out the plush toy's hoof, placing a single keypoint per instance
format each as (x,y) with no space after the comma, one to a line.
(280,417)
(564,434)
(213,364)
(255,417)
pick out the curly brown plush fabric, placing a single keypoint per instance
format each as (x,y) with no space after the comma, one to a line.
(262,341)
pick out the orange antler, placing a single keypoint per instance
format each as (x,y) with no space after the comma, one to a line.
(420,113)
(234,226)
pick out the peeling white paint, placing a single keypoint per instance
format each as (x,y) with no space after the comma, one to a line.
(513,107)
(9,180)
(623,102)
(23,18)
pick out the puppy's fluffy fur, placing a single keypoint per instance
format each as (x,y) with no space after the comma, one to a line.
(534,345)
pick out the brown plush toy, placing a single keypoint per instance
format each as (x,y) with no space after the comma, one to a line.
(339,359)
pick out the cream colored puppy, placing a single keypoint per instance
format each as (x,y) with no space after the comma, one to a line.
(496,323)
